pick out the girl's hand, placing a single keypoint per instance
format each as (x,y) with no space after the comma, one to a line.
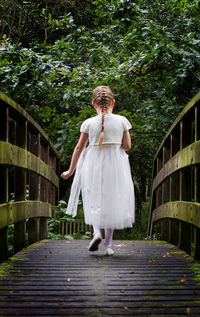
(65,175)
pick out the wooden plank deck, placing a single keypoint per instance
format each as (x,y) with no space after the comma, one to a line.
(61,278)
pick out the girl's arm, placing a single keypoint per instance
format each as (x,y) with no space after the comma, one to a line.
(75,156)
(126,141)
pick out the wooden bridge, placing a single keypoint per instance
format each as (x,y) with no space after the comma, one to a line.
(57,278)
(28,162)
(175,199)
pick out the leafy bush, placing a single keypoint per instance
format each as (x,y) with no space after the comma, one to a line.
(54,224)
(53,53)
(10,240)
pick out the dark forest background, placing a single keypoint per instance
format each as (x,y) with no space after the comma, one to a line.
(53,53)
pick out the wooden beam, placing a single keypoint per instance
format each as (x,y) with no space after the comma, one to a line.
(186,157)
(22,210)
(19,235)
(13,155)
(12,104)
(181,210)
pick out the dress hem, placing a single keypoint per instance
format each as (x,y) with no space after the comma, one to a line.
(110,226)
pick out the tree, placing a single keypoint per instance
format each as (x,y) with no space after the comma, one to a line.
(53,53)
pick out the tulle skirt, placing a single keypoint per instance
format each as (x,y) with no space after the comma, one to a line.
(103,176)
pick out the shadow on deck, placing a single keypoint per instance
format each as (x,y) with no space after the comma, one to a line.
(61,278)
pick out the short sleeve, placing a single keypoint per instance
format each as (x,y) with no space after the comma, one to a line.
(84,127)
(126,124)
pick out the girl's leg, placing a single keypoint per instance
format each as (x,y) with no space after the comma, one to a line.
(108,237)
(96,230)
(93,246)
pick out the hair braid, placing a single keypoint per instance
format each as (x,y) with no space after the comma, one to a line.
(102,97)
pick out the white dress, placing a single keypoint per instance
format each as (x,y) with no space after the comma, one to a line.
(103,176)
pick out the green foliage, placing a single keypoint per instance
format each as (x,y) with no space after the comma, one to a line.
(52,55)
(80,211)
(81,236)
(10,240)
(54,224)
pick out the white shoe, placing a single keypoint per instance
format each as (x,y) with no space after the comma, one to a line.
(94,244)
(109,251)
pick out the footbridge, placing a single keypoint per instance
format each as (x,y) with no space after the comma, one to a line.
(61,278)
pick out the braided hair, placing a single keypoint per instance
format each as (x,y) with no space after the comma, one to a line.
(102,97)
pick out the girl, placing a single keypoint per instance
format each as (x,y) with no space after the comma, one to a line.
(103,171)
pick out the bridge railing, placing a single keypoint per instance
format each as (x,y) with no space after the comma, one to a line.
(175,199)
(28,180)
(77,226)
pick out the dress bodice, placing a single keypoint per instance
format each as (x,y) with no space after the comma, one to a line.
(114,127)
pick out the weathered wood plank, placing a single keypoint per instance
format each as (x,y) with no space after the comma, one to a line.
(123,311)
(57,278)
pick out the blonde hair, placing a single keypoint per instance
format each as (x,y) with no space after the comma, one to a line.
(102,97)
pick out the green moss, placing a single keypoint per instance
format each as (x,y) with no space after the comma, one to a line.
(3,274)
(195,268)
(4,267)
(2,287)
(37,244)
(159,241)
(163,281)
(17,259)
(189,258)
(178,286)
(96,314)
(195,302)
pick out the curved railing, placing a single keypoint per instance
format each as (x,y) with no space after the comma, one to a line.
(175,199)
(28,180)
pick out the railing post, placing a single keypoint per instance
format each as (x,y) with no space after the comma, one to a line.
(185,242)
(19,235)
(3,243)
(174,230)
(20,191)
(179,233)
(62,227)
(43,230)
(4,195)
(196,124)
(196,243)
(164,230)
(34,227)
